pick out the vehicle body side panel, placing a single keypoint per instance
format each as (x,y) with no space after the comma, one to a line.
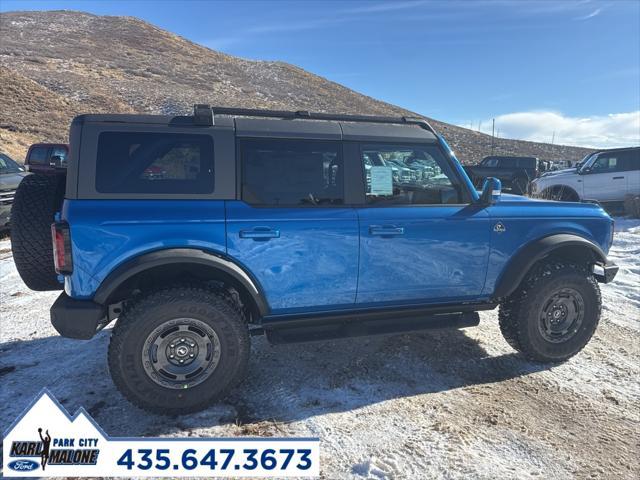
(440,256)
(527,220)
(105,234)
(313,262)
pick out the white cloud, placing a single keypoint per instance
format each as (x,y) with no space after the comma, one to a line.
(609,131)
(595,13)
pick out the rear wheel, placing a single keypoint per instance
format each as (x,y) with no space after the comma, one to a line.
(179,349)
(36,201)
(554,313)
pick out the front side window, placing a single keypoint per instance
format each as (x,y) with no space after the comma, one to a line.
(605,163)
(278,172)
(162,163)
(417,175)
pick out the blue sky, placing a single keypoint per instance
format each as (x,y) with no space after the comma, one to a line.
(538,67)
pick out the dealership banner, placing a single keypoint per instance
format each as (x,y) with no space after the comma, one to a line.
(45,441)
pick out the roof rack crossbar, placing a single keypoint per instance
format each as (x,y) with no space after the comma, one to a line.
(304,114)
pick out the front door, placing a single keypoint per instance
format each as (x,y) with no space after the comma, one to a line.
(605,180)
(291,230)
(421,240)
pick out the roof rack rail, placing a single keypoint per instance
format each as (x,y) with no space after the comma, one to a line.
(203,119)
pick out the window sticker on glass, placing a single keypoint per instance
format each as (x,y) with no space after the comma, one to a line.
(381,181)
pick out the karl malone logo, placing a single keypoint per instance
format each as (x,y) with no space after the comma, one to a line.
(31,446)
(62,453)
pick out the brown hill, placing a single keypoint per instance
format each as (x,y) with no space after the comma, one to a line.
(59,63)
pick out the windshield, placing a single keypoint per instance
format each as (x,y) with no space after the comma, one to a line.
(9,166)
(582,163)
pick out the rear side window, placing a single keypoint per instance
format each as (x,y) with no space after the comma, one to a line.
(630,160)
(508,163)
(279,172)
(38,155)
(162,163)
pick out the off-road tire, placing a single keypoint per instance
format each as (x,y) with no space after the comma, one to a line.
(36,201)
(142,316)
(521,312)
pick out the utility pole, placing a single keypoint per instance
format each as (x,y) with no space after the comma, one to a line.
(553,137)
(493,135)
(480,125)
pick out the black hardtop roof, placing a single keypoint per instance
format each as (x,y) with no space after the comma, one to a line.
(284,124)
(618,149)
(518,157)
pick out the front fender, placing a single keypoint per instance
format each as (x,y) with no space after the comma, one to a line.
(526,257)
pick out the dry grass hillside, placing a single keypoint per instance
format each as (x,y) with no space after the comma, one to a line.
(59,63)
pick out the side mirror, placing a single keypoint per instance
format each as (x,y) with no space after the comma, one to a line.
(491,189)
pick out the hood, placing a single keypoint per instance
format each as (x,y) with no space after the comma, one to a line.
(11,180)
(564,171)
(510,197)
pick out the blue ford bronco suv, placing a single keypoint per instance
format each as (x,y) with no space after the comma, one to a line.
(197,232)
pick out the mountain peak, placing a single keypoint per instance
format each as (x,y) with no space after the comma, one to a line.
(85,63)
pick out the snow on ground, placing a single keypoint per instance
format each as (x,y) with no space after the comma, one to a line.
(444,404)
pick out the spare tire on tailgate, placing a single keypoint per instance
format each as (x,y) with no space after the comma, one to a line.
(36,201)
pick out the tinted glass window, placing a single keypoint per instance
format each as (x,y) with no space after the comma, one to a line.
(508,162)
(154,163)
(416,175)
(490,162)
(292,172)
(38,155)
(9,166)
(527,163)
(606,163)
(630,160)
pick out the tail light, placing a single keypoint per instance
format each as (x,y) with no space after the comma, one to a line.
(61,237)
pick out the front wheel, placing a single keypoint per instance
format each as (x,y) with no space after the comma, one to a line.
(178,350)
(554,313)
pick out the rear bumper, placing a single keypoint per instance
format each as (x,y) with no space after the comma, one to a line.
(605,273)
(77,318)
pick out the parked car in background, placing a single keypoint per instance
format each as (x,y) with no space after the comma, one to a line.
(515,173)
(47,158)
(11,174)
(606,176)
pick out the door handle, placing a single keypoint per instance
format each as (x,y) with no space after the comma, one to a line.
(618,178)
(260,233)
(385,230)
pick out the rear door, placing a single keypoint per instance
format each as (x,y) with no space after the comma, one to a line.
(420,241)
(631,166)
(606,180)
(292,228)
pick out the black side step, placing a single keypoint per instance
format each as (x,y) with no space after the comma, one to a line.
(313,331)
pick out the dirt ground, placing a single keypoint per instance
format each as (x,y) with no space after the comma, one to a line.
(447,404)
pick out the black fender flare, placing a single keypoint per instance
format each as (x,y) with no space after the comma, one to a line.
(181,256)
(525,258)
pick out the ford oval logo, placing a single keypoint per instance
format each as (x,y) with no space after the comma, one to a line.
(23,465)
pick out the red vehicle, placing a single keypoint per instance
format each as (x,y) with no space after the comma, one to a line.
(47,158)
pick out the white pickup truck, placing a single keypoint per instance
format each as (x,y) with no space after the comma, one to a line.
(606,176)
